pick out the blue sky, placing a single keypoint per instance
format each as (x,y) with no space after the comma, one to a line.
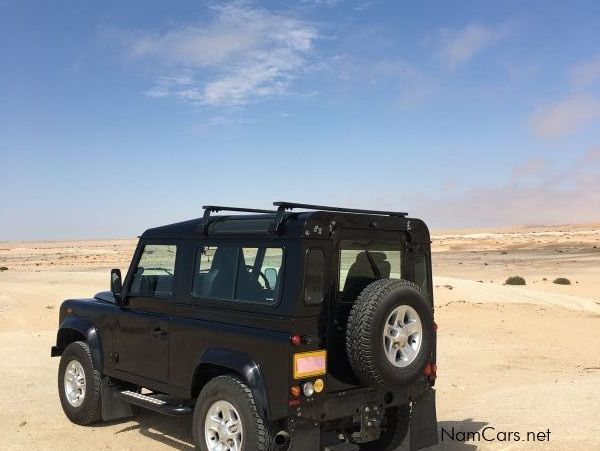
(117,116)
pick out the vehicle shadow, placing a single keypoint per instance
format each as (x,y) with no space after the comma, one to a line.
(457,429)
(170,431)
(177,432)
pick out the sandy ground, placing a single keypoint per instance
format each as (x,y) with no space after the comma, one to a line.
(518,359)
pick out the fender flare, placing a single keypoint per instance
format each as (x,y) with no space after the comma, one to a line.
(88,330)
(245,366)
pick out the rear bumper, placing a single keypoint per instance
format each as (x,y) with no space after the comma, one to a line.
(346,404)
(313,425)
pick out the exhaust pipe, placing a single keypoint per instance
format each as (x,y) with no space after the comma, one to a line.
(282,440)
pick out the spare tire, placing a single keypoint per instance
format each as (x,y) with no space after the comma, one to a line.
(390,333)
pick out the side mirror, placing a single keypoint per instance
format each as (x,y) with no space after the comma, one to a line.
(116,283)
(271,275)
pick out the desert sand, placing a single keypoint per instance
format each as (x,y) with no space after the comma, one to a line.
(515,358)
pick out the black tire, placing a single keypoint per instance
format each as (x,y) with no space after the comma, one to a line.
(394,430)
(257,435)
(364,334)
(90,411)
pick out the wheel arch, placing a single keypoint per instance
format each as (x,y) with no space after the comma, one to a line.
(79,329)
(218,361)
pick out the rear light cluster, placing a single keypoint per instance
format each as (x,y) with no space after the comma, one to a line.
(308,388)
(307,364)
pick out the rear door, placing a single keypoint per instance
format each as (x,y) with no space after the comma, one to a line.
(143,321)
(354,254)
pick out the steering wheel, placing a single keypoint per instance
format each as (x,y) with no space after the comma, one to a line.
(262,275)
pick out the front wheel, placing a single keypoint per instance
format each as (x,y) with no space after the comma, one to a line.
(226,418)
(79,385)
(394,430)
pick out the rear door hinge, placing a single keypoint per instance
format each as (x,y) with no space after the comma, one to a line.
(113,357)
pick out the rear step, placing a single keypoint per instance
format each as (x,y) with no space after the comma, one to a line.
(157,402)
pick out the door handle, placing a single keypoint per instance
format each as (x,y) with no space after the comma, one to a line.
(158,332)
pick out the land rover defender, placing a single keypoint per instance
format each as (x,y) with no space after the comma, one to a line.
(300,328)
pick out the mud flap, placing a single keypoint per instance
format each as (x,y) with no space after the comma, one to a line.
(305,435)
(113,408)
(423,422)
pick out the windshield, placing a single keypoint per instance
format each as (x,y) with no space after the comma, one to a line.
(364,261)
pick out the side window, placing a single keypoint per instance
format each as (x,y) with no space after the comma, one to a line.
(259,274)
(155,272)
(314,281)
(215,275)
(229,272)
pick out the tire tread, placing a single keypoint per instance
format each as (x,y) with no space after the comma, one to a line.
(92,412)
(359,336)
(264,433)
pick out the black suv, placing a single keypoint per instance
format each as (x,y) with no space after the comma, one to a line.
(277,329)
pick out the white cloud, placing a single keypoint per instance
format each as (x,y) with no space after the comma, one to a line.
(321,2)
(165,84)
(242,55)
(529,169)
(406,83)
(541,195)
(564,117)
(586,74)
(456,47)
(592,157)
(414,86)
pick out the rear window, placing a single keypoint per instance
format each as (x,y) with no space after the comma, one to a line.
(364,261)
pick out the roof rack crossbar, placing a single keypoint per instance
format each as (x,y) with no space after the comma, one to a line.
(217,208)
(291,205)
(208,209)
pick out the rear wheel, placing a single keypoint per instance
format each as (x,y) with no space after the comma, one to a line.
(226,418)
(79,384)
(394,430)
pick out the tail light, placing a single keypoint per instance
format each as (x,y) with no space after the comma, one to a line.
(428,369)
(319,385)
(308,389)
(295,391)
(296,340)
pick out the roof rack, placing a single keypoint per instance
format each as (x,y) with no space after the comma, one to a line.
(283,206)
(208,209)
(292,205)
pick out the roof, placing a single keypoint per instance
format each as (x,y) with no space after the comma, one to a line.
(318,223)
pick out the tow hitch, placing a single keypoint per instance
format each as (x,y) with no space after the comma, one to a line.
(370,418)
